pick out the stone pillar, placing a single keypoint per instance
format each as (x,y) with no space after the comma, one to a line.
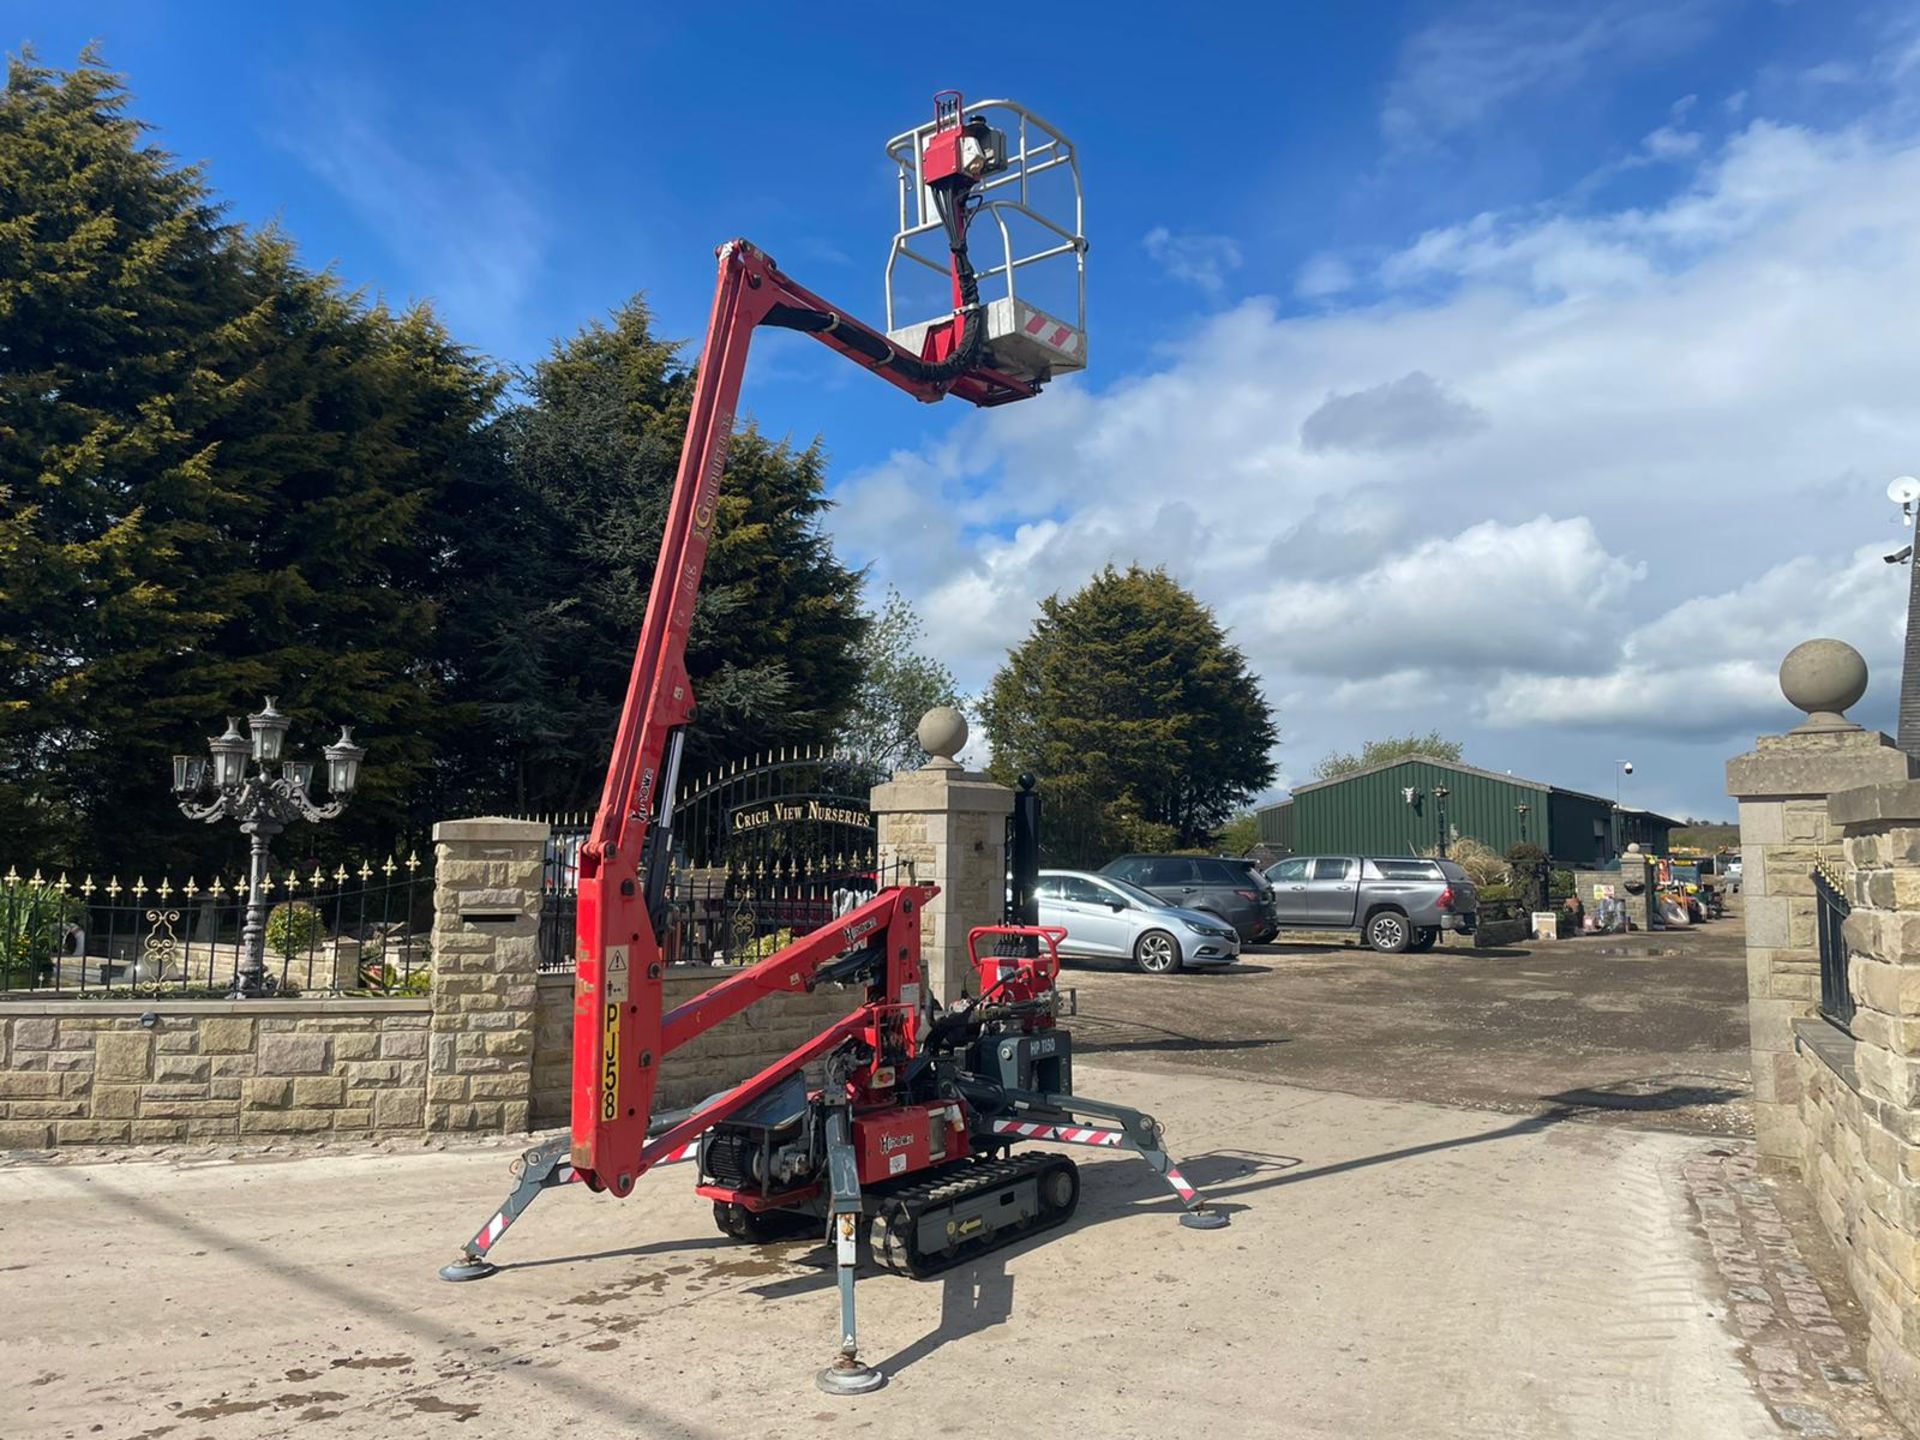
(1783,785)
(486,931)
(947,825)
(1863,1153)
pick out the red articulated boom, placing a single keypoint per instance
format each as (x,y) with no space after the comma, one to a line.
(910,1138)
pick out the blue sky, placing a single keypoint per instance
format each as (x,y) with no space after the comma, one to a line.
(1529,371)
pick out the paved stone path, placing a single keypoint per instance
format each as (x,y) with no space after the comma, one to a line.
(1804,1341)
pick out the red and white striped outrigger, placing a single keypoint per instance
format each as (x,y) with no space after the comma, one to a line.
(543,1168)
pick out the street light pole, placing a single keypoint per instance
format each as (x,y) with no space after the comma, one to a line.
(263,802)
(1440,793)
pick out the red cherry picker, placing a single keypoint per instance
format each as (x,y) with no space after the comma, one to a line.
(912,1139)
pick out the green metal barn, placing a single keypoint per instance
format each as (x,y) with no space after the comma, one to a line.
(1395,809)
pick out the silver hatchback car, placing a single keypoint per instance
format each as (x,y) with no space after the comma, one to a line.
(1109,918)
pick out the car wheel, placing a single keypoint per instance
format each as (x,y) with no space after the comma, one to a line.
(1423,940)
(1389,933)
(1157,953)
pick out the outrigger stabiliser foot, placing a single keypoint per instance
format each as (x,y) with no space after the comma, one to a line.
(847,1376)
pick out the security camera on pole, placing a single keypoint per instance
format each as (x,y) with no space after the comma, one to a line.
(1905,492)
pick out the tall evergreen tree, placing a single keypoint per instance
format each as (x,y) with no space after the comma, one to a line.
(1140,720)
(215,476)
(540,640)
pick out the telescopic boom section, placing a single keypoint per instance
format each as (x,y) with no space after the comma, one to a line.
(619,1039)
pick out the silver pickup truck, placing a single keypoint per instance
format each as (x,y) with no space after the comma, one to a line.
(1397,903)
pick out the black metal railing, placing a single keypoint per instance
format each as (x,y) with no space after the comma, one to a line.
(715,916)
(1831,909)
(355,929)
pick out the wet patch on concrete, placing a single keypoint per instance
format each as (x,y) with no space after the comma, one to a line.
(220,1409)
(434,1405)
(371,1362)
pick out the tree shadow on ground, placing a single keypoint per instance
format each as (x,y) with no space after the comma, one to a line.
(1621,1095)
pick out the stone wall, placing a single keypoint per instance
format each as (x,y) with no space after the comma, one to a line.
(1783,786)
(491,1051)
(1859,1094)
(156,1072)
(1841,1106)
(725,1055)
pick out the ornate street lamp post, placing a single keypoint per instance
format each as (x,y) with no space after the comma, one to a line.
(263,802)
(1440,793)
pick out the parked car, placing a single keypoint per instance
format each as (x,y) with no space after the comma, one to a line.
(1106,917)
(1224,889)
(1396,903)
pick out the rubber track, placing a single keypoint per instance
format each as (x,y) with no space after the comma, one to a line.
(898,1218)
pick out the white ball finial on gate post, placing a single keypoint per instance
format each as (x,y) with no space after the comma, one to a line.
(1823,678)
(943,735)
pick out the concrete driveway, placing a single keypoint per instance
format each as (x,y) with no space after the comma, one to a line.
(1393,1269)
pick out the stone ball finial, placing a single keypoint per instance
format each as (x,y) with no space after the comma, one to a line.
(943,735)
(1823,678)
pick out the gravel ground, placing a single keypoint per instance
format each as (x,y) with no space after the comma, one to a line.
(1639,1030)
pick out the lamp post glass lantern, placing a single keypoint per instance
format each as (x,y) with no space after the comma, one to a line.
(263,802)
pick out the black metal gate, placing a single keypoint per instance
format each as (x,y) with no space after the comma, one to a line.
(764,851)
(1831,909)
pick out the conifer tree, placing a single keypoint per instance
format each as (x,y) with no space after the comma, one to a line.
(542,639)
(1138,717)
(216,478)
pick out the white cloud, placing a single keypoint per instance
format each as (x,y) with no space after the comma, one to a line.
(1324,275)
(1674,409)
(1415,410)
(1456,73)
(1710,665)
(1670,142)
(1204,261)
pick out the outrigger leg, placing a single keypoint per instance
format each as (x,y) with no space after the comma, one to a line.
(541,1168)
(846,1376)
(1037,1115)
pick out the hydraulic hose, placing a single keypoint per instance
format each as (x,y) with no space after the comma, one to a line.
(951,205)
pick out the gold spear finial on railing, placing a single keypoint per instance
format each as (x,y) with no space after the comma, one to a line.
(191,888)
(163,889)
(87,886)
(60,885)
(113,888)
